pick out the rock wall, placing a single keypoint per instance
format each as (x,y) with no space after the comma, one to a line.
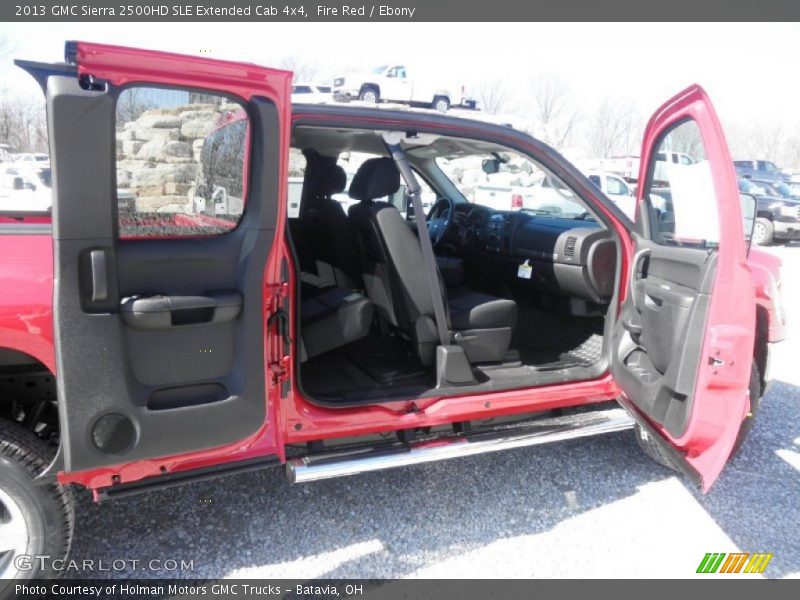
(158,155)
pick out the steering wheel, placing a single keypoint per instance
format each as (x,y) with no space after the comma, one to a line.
(440,219)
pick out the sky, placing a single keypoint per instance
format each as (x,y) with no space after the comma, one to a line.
(749,70)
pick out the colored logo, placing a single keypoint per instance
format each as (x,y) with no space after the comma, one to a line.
(736,562)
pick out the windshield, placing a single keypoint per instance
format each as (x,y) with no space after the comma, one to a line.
(746,186)
(508,181)
(379,70)
(782,189)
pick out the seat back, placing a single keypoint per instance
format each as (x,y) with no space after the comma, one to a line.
(392,265)
(326,228)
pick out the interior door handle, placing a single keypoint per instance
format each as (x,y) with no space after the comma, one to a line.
(637,258)
(163,311)
(99,268)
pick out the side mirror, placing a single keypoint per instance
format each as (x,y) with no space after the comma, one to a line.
(490,166)
(18,184)
(749,211)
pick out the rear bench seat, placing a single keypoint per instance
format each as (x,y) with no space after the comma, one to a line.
(330,318)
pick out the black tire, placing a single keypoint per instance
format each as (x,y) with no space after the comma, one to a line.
(369,94)
(441,104)
(654,451)
(763,232)
(47,511)
(755,402)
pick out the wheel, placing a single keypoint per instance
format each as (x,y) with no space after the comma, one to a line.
(763,232)
(369,95)
(441,104)
(34,519)
(653,450)
(755,402)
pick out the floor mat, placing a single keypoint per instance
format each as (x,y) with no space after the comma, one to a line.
(548,340)
(371,367)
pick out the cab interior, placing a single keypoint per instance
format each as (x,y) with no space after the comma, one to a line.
(526,289)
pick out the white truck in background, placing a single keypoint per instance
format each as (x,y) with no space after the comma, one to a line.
(400,84)
(627,167)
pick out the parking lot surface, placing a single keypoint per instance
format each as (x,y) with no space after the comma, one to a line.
(590,508)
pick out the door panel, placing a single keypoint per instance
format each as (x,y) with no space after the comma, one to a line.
(160,338)
(682,346)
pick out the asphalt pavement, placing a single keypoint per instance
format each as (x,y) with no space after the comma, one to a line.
(589,508)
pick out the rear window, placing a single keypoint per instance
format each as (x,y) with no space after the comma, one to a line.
(180,162)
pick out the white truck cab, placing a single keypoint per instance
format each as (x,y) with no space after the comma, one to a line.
(400,84)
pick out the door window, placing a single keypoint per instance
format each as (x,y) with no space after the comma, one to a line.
(180,162)
(680,197)
(617,187)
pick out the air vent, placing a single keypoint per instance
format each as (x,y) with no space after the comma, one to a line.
(569,246)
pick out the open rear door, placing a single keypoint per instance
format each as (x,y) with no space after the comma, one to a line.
(168,172)
(683,344)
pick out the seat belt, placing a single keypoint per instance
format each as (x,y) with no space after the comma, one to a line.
(431,270)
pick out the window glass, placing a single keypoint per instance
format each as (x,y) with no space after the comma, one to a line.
(301,89)
(297,170)
(617,187)
(180,162)
(595,179)
(510,181)
(681,199)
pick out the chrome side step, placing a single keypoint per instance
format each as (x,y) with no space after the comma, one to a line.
(544,431)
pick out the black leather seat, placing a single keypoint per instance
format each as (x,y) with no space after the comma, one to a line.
(329,243)
(392,268)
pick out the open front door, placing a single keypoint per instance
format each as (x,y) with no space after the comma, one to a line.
(167,175)
(683,344)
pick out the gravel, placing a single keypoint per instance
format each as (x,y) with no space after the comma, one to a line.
(590,508)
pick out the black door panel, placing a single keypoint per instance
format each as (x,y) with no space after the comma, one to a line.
(128,392)
(659,338)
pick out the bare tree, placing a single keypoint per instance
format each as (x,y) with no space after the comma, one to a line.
(611,129)
(23,126)
(493,96)
(131,104)
(555,109)
(303,70)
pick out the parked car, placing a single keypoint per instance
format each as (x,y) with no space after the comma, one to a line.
(311,93)
(398,83)
(759,169)
(150,362)
(32,157)
(778,217)
(779,189)
(616,188)
(627,167)
(26,186)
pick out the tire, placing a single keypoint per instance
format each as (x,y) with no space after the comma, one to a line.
(755,402)
(763,232)
(369,94)
(654,451)
(441,104)
(44,514)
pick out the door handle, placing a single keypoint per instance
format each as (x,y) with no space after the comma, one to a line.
(632,279)
(99,269)
(163,311)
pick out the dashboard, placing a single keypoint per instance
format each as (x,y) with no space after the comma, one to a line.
(572,257)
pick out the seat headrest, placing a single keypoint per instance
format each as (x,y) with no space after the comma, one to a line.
(376,178)
(333,181)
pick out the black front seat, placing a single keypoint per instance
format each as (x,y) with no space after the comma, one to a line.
(392,268)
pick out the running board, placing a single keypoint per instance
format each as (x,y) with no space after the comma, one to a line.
(543,431)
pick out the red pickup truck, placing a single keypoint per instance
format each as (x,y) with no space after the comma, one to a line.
(171,321)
